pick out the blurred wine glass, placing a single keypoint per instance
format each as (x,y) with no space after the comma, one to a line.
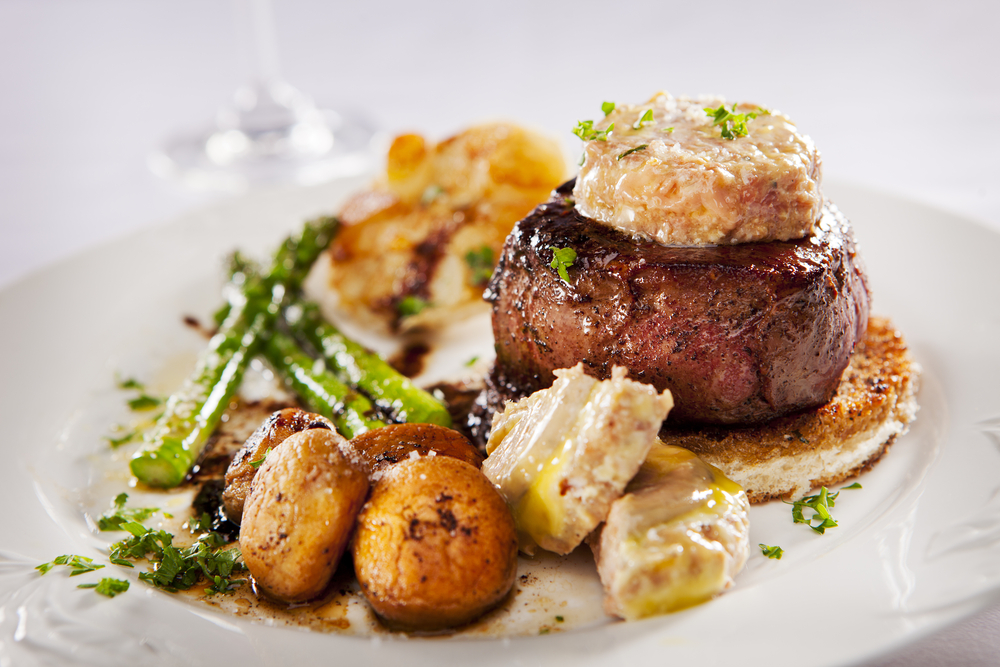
(273,133)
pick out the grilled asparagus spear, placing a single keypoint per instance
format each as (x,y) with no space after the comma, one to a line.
(320,390)
(191,414)
(358,366)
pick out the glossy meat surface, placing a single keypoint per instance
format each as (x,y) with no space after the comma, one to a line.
(739,334)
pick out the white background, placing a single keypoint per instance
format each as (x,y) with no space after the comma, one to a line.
(899,97)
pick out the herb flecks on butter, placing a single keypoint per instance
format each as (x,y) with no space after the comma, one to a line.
(640,147)
(733,124)
(647,117)
(562,259)
(585,130)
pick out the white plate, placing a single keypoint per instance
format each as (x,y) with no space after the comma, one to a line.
(917,548)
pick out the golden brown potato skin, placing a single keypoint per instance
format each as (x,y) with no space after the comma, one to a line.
(383,447)
(299,515)
(271,433)
(435,545)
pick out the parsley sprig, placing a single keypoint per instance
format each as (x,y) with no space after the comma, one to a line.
(733,124)
(562,259)
(118,515)
(177,569)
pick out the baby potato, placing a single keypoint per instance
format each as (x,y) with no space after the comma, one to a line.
(268,435)
(382,447)
(435,545)
(299,515)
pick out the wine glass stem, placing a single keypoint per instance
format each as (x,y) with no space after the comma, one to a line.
(263,42)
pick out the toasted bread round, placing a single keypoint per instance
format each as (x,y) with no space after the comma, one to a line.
(789,456)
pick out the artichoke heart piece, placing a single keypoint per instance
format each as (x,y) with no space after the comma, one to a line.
(678,536)
(561,456)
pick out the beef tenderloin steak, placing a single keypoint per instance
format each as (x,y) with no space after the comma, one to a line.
(738,333)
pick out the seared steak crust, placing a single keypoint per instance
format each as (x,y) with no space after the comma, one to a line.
(739,334)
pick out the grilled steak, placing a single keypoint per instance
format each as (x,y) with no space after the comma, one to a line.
(739,334)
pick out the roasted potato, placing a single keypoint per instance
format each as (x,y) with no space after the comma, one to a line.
(383,447)
(299,515)
(268,435)
(417,249)
(435,545)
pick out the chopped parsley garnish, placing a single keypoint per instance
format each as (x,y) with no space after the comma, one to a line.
(856,485)
(124,439)
(179,569)
(586,131)
(411,305)
(145,402)
(668,130)
(78,564)
(733,124)
(259,462)
(114,518)
(647,117)
(108,586)
(607,107)
(472,361)
(820,504)
(640,147)
(771,552)
(480,263)
(562,259)
(130,383)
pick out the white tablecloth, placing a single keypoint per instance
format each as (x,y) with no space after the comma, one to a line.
(899,97)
